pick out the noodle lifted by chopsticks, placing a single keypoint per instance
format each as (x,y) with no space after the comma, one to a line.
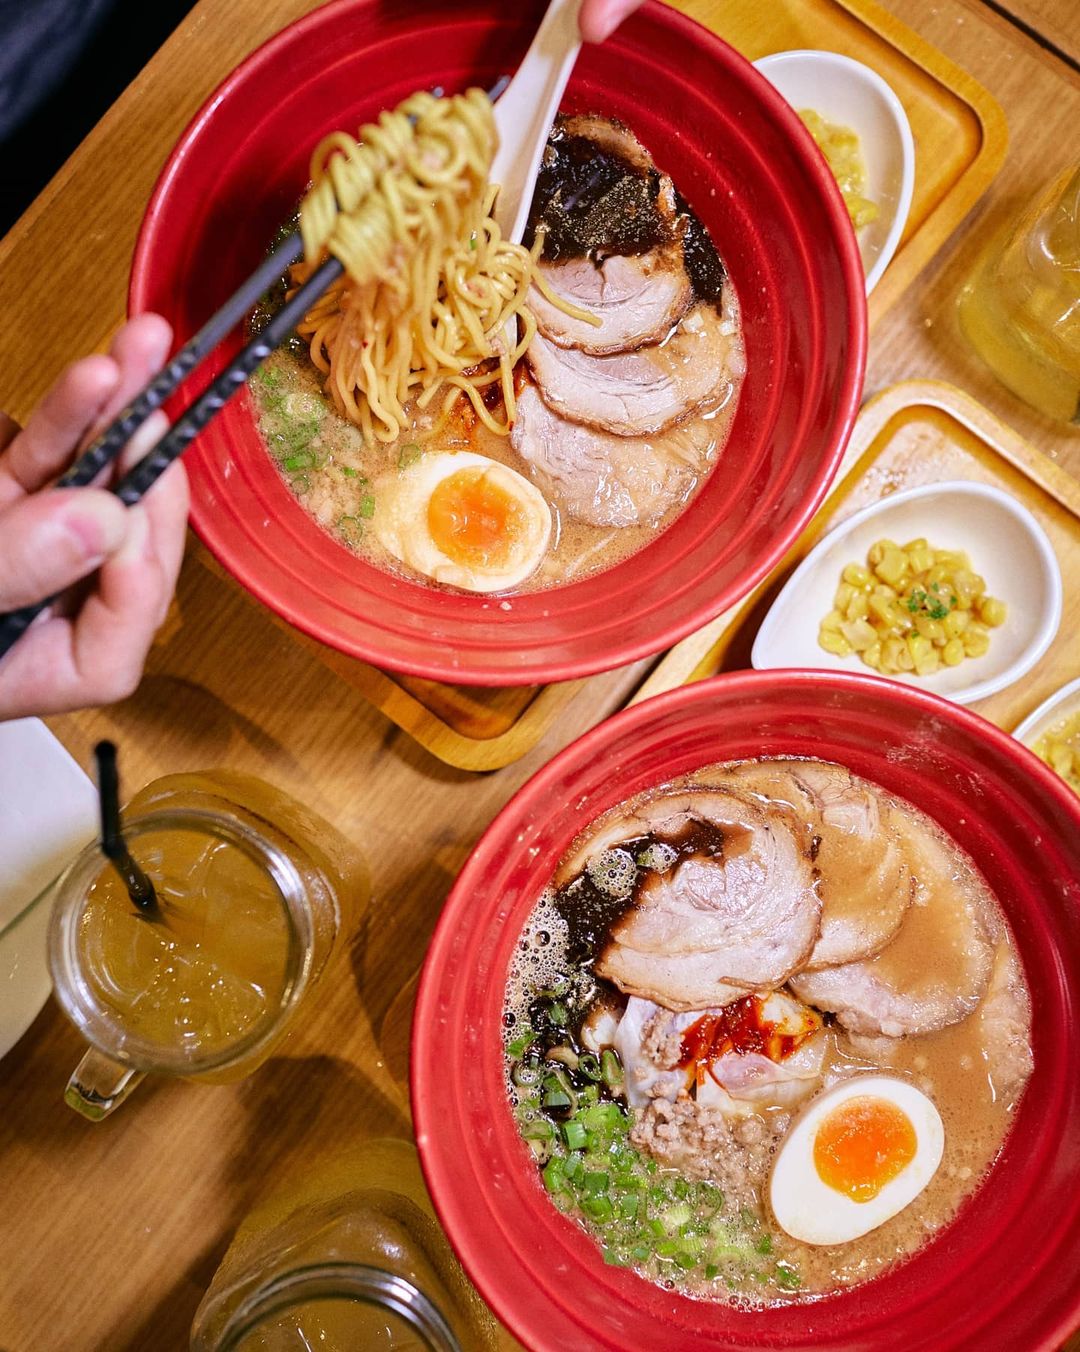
(430,283)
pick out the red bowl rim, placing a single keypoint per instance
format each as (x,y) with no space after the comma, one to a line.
(480,672)
(429,1110)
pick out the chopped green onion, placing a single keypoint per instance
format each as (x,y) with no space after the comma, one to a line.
(764,1244)
(367,506)
(611,1071)
(589,1065)
(302,460)
(349,472)
(526,1072)
(598,1209)
(711,1271)
(574,1135)
(520,1045)
(408,455)
(627,1206)
(594,1183)
(787,1278)
(553,1175)
(558,1014)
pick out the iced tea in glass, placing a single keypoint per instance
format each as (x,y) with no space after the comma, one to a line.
(255,895)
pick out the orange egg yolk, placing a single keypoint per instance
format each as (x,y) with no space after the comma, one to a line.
(862,1145)
(474,520)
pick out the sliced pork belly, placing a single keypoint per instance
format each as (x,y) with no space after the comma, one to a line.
(685,981)
(644,391)
(638,299)
(752,907)
(1006,1023)
(608,480)
(864,884)
(935,971)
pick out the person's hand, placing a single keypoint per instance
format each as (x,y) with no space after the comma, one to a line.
(116,566)
(600,18)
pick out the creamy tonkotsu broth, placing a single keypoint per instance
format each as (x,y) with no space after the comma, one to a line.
(660,1081)
(617,425)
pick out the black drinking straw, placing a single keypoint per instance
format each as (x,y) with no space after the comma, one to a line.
(140,888)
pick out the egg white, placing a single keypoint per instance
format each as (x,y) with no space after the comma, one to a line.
(400,522)
(808,1208)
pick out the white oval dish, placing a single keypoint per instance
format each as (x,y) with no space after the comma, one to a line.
(1006,545)
(1059,706)
(847,92)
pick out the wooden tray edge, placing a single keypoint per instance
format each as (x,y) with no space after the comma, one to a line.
(685,661)
(917,251)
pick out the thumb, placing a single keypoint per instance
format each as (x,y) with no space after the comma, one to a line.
(50,540)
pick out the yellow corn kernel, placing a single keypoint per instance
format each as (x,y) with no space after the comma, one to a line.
(934,630)
(834,643)
(881,609)
(883,589)
(928,665)
(938,575)
(919,557)
(904,660)
(953,653)
(992,611)
(918,647)
(844,593)
(872,656)
(893,566)
(891,651)
(921,543)
(856,576)
(877,549)
(901,617)
(859,634)
(858,607)
(976,641)
(1061,758)
(833,621)
(956,622)
(978,585)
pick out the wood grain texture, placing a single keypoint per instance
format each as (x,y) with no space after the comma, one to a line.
(1057,22)
(111,1233)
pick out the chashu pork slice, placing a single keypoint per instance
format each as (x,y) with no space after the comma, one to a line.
(865,884)
(936,970)
(638,298)
(604,479)
(644,391)
(682,982)
(751,908)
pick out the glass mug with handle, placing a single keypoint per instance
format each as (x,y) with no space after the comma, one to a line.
(255,896)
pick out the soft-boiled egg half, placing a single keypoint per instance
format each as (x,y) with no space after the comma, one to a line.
(463,520)
(858,1154)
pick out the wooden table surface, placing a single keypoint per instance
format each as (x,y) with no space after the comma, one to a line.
(111,1233)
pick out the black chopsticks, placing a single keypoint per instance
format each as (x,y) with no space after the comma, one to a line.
(138,480)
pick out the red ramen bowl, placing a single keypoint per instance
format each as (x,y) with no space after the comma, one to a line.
(749,170)
(1005,1273)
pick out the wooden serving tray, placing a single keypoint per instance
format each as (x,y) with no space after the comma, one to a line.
(959,129)
(918,432)
(960,138)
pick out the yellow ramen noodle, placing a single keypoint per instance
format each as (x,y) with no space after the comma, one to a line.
(1060,749)
(430,283)
(911,608)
